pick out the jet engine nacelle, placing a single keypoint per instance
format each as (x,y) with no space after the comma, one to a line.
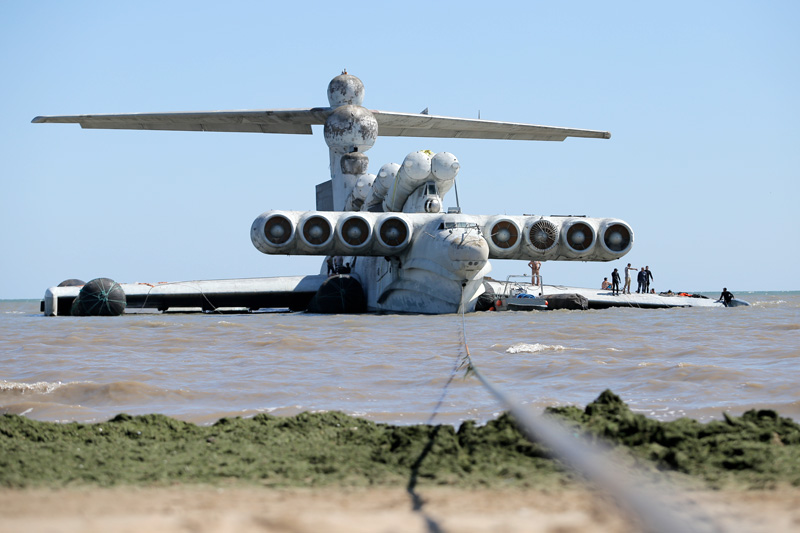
(331,233)
(504,235)
(557,238)
(386,234)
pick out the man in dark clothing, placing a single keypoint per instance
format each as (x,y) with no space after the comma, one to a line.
(726,297)
(615,283)
(640,281)
(647,277)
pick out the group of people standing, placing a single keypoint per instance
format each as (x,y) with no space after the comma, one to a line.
(644,277)
(335,266)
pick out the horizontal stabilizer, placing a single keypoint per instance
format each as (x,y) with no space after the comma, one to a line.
(266,121)
(299,121)
(424,125)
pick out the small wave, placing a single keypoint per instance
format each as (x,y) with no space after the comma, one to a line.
(786,327)
(684,364)
(534,348)
(120,392)
(768,303)
(91,393)
(51,411)
(155,324)
(41,387)
(263,343)
(750,385)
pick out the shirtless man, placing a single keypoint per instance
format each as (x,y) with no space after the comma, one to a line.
(626,289)
(535,278)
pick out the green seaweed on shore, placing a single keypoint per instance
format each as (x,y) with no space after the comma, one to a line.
(758,449)
(303,450)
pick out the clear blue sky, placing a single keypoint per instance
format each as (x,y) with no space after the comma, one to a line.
(702,100)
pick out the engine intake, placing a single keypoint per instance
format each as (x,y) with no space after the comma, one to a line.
(316,231)
(617,238)
(394,233)
(579,237)
(278,230)
(354,232)
(504,237)
(542,235)
(274,232)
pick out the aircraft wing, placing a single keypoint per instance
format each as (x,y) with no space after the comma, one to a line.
(293,292)
(264,121)
(299,121)
(422,125)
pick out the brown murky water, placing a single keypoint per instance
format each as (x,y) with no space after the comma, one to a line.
(664,363)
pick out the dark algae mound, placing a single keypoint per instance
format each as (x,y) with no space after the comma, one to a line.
(758,449)
(304,450)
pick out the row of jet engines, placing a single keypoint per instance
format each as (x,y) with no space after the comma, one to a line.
(386,234)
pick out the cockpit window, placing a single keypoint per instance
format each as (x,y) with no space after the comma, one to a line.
(430,188)
(453,225)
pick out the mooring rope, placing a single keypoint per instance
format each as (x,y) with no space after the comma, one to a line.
(657,511)
(213,308)
(456,367)
(460,361)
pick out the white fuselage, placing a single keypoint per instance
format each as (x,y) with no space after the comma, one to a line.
(441,271)
(409,255)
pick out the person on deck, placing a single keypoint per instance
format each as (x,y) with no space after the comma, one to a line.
(606,284)
(615,282)
(640,281)
(535,266)
(626,289)
(648,277)
(726,297)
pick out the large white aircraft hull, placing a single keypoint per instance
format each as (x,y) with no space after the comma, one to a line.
(408,253)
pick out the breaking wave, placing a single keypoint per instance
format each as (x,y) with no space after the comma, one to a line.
(534,348)
(42,387)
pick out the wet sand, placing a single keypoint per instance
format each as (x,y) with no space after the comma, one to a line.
(243,510)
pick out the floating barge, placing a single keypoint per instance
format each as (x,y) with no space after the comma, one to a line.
(518,295)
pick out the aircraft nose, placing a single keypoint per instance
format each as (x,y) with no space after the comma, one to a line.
(469,256)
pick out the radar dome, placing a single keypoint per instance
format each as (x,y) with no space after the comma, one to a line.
(351,128)
(345,89)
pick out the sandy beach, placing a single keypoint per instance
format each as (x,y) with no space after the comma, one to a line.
(335,473)
(243,510)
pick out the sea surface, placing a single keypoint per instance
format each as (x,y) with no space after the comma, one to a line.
(665,363)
